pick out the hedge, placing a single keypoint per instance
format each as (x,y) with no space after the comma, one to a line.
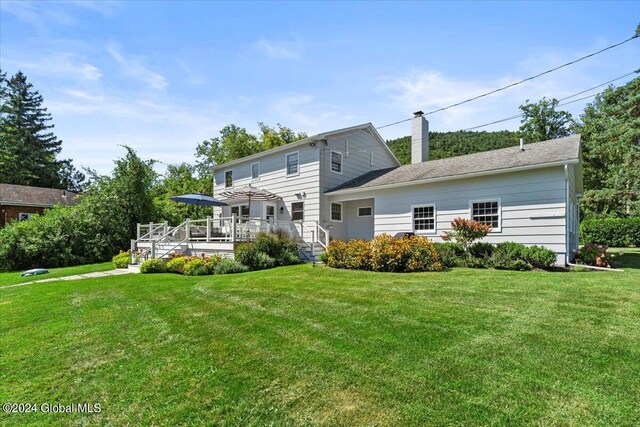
(617,232)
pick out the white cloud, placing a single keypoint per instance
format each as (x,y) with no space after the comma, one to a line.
(281,49)
(133,66)
(59,64)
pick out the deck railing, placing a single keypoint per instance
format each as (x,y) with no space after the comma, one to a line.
(232,229)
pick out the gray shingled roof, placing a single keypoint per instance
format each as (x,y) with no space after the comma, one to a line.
(539,153)
(23,195)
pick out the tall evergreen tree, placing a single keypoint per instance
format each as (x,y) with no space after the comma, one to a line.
(28,147)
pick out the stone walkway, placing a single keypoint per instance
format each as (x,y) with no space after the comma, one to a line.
(116,272)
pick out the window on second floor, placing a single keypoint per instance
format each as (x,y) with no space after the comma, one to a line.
(336,162)
(228,179)
(255,170)
(293,166)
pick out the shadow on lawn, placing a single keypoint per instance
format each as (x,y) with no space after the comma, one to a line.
(627,258)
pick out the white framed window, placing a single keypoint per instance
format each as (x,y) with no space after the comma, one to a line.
(255,171)
(423,218)
(240,210)
(228,179)
(336,162)
(292,163)
(336,212)
(487,212)
(23,216)
(297,211)
(365,211)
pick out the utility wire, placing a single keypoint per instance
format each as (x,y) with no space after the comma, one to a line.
(516,83)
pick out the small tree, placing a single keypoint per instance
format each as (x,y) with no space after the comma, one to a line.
(465,231)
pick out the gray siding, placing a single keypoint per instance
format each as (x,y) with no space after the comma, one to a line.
(273,178)
(353,226)
(532,206)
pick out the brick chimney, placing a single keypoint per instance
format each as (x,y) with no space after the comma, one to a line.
(419,138)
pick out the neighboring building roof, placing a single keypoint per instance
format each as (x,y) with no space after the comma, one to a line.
(22,195)
(365,127)
(539,154)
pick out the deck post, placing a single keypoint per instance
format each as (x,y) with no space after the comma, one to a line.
(187,231)
(138,231)
(233,228)
(208,229)
(166,228)
(132,252)
(150,230)
(313,243)
(153,249)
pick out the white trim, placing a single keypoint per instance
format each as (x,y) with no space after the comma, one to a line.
(258,177)
(435,219)
(453,177)
(331,161)
(291,210)
(224,179)
(331,212)
(489,199)
(365,207)
(346,148)
(275,210)
(286,166)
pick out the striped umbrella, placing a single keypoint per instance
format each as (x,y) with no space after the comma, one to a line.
(249,192)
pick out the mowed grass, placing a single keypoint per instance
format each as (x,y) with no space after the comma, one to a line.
(316,346)
(13,278)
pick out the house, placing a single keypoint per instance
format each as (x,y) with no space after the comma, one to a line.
(20,202)
(347,184)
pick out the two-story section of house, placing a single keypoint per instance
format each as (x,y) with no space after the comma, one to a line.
(299,173)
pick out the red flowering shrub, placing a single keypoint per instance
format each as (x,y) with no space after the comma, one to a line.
(465,231)
(594,254)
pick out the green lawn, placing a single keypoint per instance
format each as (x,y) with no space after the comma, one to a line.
(13,278)
(315,346)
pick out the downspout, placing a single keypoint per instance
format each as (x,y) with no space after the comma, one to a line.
(566,215)
(321,152)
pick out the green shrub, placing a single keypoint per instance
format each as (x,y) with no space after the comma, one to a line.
(540,257)
(275,245)
(611,231)
(481,250)
(593,254)
(449,253)
(176,265)
(471,261)
(230,266)
(121,260)
(290,257)
(510,256)
(324,257)
(245,253)
(211,262)
(153,266)
(195,267)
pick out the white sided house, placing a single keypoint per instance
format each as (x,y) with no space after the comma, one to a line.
(347,184)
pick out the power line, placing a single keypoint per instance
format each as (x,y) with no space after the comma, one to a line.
(506,119)
(516,83)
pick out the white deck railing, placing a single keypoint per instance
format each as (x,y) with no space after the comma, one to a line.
(232,229)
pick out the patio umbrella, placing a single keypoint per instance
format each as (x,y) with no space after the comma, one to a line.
(249,192)
(198,200)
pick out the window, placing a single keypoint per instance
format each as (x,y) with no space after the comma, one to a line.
(336,212)
(255,170)
(240,210)
(228,179)
(487,212)
(293,167)
(424,218)
(24,216)
(365,211)
(336,162)
(297,211)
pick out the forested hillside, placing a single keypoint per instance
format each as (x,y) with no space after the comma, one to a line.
(450,144)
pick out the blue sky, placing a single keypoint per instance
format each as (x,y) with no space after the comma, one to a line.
(162,76)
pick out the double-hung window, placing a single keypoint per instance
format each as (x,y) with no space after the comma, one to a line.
(336,162)
(336,212)
(486,212)
(293,163)
(424,218)
(228,179)
(255,170)
(297,211)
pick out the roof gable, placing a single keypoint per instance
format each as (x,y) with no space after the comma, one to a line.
(540,154)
